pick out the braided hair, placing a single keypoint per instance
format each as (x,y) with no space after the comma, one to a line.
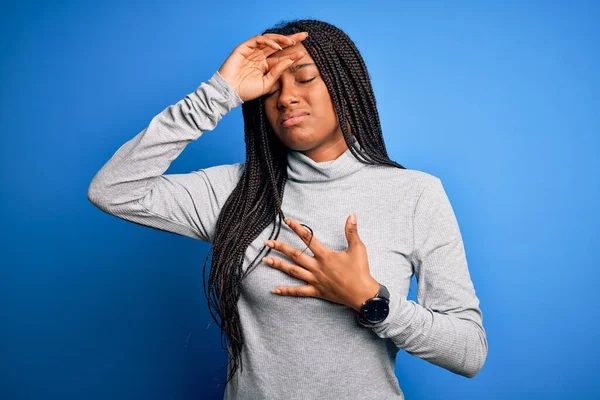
(255,202)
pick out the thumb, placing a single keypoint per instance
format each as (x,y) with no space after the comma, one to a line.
(352,230)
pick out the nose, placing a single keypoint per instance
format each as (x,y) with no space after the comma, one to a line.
(287,93)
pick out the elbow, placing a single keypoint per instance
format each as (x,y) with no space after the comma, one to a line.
(473,371)
(98,197)
(92,194)
(480,351)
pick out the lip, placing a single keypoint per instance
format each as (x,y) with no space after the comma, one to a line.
(293,118)
(293,121)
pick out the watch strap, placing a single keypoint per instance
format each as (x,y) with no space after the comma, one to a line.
(383,292)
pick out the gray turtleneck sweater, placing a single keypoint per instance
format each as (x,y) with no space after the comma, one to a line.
(304,347)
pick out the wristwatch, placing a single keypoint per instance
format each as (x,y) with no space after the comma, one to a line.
(375,309)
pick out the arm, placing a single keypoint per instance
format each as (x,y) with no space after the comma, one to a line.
(131,185)
(445,327)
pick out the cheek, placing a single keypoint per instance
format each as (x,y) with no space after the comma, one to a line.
(271,113)
(322,108)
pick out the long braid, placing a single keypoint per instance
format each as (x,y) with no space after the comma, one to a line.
(255,203)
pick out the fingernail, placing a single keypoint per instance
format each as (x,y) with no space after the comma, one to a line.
(353,218)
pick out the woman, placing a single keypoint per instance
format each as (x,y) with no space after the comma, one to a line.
(314,154)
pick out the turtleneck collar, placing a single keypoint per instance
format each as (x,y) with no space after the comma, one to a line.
(302,168)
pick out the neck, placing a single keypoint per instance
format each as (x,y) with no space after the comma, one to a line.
(302,168)
(328,152)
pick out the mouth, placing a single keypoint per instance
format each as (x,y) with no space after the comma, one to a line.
(293,121)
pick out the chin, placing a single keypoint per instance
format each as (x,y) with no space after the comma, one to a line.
(296,141)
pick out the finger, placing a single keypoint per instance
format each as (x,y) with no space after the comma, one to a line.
(284,41)
(275,43)
(298,36)
(292,39)
(297,256)
(304,290)
(293,270)
(268,42)
(269,51)
(273,60)
(281,40)
(308,237)
(277,69)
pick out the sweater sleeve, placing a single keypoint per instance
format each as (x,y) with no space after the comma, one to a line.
(445,327)
(132,184)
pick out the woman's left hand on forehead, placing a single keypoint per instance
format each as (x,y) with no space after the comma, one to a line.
(339,276)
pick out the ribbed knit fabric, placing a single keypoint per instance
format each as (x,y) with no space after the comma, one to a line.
(304,347)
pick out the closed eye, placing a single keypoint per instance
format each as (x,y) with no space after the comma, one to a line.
(306,81)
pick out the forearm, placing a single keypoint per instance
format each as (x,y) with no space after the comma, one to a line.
(132,170)
(456,342)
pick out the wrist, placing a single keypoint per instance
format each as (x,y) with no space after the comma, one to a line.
(369,290)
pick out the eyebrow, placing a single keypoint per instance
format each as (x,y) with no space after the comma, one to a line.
(295,68)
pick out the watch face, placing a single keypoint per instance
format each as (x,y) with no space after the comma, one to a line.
(376,310)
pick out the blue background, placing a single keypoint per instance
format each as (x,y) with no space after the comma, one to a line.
(498,100)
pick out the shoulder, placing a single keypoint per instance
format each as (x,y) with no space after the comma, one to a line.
(418,177)
(409,181)
(425,181)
